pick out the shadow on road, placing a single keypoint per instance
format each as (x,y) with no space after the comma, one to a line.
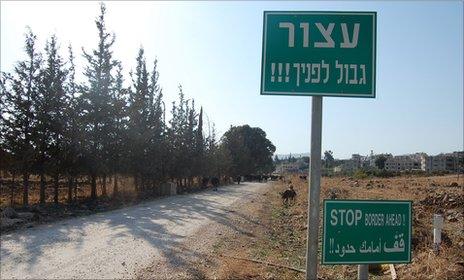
(163,223)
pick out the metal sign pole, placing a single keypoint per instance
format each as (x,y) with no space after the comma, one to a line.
(314,188)
(363,272)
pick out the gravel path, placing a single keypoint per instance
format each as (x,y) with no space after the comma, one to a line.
(119,243)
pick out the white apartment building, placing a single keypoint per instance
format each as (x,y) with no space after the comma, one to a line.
(442,162)
(452,162)
(402,163)
(370,161)
(353,164)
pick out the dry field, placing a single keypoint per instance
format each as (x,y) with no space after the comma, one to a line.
(279,239)
(82,203)
(13,197)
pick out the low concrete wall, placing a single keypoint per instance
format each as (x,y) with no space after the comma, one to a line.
(168,188)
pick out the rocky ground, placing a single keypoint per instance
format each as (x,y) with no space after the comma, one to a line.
(276,248)
(237,235)
(27,217)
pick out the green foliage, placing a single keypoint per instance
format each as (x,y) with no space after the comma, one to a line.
(360,174)
(251,151)
(328,159)
(380,162)
(55,127)
(96,95)
(20,91)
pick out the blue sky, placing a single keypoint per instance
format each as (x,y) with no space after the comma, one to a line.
(214,50)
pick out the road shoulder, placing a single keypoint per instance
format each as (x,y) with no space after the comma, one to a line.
(202,255)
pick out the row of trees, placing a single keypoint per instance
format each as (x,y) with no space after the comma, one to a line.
(55,127)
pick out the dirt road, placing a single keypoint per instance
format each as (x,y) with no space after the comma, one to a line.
(119,243)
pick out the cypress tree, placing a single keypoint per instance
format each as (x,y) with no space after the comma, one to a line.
(177,134)
(199,156)
(19,91)
(96,97)
(138,126)
(73,131)
(51,121)
(118,135)
(156,128)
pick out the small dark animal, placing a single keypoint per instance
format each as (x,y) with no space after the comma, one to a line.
(215,183)
(204,182)
(288,195)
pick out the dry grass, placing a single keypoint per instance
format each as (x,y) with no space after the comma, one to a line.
(126,188)
(282,239)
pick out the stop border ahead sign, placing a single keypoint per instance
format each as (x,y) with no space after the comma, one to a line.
(319,53)
(367,231)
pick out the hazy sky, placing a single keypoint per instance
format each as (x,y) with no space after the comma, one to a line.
(214,50)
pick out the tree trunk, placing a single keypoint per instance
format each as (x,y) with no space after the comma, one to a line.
(42,187)
(55,188)
(93,191)
(144,183)
(70,189)
(136,183)
(115,186)
(75,189)
(141,184)
(25,189)
(104,186)
(13,189)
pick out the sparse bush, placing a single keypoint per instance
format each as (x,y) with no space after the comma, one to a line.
(360,174)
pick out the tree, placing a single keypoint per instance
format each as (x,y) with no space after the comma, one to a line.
(156,128)
(199,149)
(210,152)
(291,158)
(139,117)
(51,125)
(250,150)
(380,161)
(118,136)
(96,96)
(179,139)
(217,158)
(329,159)
(19,113)
(73,135)
(51,104)
(190,139)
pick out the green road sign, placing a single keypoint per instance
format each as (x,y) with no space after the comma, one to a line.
(366,231)
(319,53)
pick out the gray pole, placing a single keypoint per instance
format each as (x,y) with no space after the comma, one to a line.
(363,272)
(314,188)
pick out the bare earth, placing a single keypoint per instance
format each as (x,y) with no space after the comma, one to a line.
(153,239)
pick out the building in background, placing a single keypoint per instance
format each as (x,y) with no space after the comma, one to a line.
(287,167)
(449,162)
(403,163)
(356,162)
(445,162)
